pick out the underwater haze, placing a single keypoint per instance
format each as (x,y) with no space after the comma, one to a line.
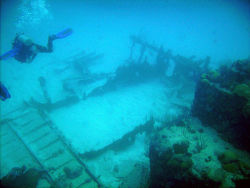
(110,92)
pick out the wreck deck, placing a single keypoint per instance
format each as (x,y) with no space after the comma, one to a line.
(29,138)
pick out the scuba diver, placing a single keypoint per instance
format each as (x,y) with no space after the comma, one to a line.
(25,50)
(4,93)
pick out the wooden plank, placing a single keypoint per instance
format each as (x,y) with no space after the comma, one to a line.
(49,144)
(64,163)
(39,137)
(54,154)
(35,128)
(81,180)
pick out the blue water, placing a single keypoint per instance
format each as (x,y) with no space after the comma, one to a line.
(219,29)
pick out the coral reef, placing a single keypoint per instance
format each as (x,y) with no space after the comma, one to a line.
(171,165)
(181,148)
(222,101)
(232,163)
(168,169)
(198,159)
(22,177)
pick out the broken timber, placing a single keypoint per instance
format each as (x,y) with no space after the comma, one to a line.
(122,143)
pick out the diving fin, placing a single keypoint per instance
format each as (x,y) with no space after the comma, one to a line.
(64,33)
(4,93)
(9,54)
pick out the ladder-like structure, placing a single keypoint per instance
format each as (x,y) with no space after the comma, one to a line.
(29,138)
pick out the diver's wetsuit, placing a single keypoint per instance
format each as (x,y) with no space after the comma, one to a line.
(28,53)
